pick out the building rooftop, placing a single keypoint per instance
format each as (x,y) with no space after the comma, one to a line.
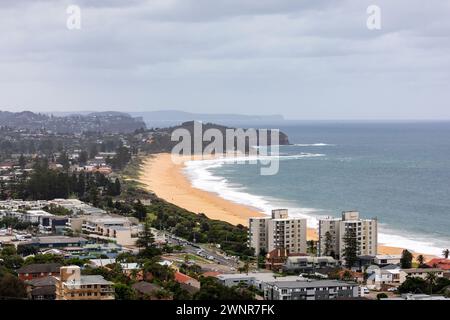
(259,276)
(58,239)
(42,282)
(422,270)
(388,256)
(40,267)
(90,280)
(144,287)
(311,284)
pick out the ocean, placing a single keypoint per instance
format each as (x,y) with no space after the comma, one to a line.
(398,172)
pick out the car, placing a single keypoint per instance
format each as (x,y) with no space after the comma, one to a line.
(365,290)
(392,289)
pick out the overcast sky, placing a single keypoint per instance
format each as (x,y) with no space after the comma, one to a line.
(303,59)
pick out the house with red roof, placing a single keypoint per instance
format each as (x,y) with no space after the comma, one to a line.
(441,263)
(190,284)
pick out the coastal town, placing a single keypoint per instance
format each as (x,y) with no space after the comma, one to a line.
(84,215)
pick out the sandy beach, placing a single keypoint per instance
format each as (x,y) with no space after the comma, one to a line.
(166,179)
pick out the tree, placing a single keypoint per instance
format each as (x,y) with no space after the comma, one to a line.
(64,161)
(83,157)
(446,253)
(162,273)
(140,211)
(212,289)
(312,248)
(431,278)
(11,287)
(350,249)
(382,296)
(22,162)
(328,245)
(123,292)
(146,242)
(406,259)
(420,259)
(413,285)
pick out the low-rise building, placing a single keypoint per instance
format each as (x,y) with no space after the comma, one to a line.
(38,270)
(58,242)
(411,296)
(308,263)
(148,291)
(386,259)
(41,288)
(71,285)
(120,230)
(311,290)
(382,278)
(441,263)
(419,273)
(254,279)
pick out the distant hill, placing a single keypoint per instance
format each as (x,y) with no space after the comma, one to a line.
(161,138)
(109,122)
(174,117)
(165,118)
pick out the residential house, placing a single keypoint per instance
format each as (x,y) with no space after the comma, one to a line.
(441,263)
(41,288)
(383,278)
(419,273)
(148,291)
(386,259)
(188,283)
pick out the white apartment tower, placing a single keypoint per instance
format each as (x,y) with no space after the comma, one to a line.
(366,231)
(277,232)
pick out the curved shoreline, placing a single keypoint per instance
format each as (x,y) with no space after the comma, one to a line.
(167,180)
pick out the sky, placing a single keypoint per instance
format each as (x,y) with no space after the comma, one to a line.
(302,59)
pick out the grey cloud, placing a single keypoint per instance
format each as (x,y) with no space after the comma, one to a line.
(226,55)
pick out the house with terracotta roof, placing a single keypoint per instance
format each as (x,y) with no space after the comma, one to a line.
(441,263)
(38,270)
(188,283)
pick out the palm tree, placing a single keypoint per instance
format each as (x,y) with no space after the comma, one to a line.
(446,253)
(431,278)
(420,259)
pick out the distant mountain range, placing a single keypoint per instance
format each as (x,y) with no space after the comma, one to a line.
(166,118)
(110,122)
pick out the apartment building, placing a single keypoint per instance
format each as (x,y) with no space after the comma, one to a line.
(258,280)
(120,230)
(311,290)
(332,232)
(71,285)
(278,232)
(258,234)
